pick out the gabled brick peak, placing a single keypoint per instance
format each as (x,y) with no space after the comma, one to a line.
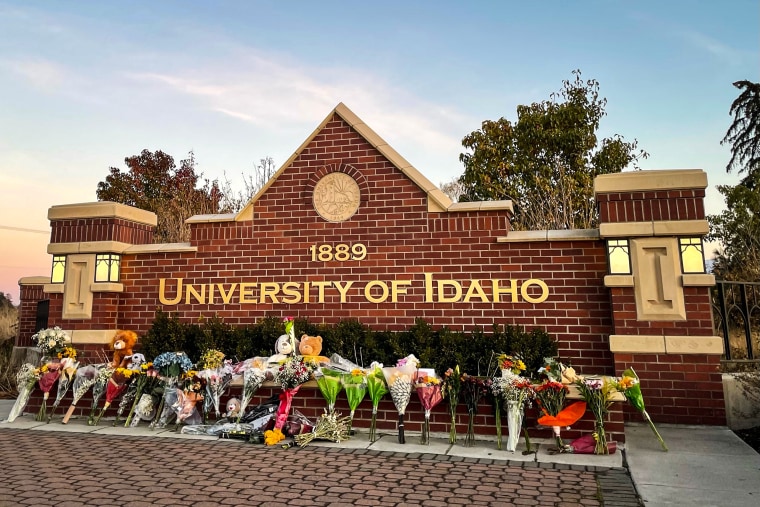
(437,201)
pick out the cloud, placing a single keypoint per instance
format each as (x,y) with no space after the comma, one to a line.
(714,47)
(275,92)
(40,73)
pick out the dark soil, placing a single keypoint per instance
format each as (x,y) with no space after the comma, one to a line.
(751,436)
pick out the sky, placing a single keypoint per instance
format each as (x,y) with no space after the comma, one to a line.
(85,84)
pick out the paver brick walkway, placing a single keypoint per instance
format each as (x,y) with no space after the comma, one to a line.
(76,469)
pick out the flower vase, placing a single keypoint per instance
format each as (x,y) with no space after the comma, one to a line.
(600,437)
(373,424)
(515,412)
(498,423)
(453,427)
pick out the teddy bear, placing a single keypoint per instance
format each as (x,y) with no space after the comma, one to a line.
(233,409)
(284,348)
(310,347)
(122,344)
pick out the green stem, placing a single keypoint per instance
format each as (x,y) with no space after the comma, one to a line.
(657,433)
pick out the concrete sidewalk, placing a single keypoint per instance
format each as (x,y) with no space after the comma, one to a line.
(704,466)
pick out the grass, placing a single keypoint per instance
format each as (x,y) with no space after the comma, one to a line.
(7,371)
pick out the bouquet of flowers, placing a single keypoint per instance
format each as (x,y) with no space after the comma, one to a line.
(98,388)
(26,378)
(472,390)
(452,385)
(290,375)
(513,391)
(355,384)
(511,364)
(84,379)
(330,426)
(216,374)
(69,366)
(428,389)
(253,378)
(51,341)
(551,398)
(170,366)
(116,385)
(187,398)
(146,382)
(399,380)
(329,385)
(377,389)
(49,374)
(630,386)
(597,392)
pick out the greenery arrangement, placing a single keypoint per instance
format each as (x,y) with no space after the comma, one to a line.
(438,348)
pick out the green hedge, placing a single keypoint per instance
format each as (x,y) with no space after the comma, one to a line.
(436,348)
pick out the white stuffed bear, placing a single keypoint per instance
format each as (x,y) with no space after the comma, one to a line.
(284,347)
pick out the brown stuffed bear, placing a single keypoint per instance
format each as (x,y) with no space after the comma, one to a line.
(310,345)
(122,344)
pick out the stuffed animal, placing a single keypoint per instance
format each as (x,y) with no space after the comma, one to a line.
(283,348)
(122,344)
(136,360)
(310,345)
(233,409)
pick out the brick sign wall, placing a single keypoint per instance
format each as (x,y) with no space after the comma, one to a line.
(348,229)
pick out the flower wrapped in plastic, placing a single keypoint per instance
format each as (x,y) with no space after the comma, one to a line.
(84,379)
(171,366)
(186,406)
(510,364)
(377,388)
(115,386)
(630,386)
(216,381)
(146,382)
(472,391)
(253,378)
(355,384)
(290,375)
(513,392)
(452,385)
(400,381)
(49,375)
(597,392)
(51,341)
(26,378)
(99,388)
(329,383)
(68,368)
(428,388)
(551,399)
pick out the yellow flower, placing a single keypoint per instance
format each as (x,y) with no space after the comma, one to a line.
(627,382)
(271,437)
(358,372)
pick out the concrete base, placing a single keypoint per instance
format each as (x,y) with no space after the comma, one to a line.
(741,412)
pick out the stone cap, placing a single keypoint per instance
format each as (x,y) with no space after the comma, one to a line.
(102,209)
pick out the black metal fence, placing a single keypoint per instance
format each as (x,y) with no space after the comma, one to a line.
(736,312)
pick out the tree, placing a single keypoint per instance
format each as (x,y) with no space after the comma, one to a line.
(737,229)
(744,132)
(546,161)
(453,189)
(154,183)
(262,173)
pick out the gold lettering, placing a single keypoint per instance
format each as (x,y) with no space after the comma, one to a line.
(190,290)
(246,293)
(472,289)
(162,292)
(530,299)
(306,293)
(269,289)
(226,296)
(383,289)
(290,289)
(398,287)
(498,291)
(343,289)
(321,286)
(428,287)
(456,286)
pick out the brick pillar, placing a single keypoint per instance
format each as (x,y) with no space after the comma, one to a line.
(662,319)
(85,307)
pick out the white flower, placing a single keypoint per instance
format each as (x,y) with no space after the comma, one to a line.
(51,343)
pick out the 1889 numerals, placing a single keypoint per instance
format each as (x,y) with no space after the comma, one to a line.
(340,252)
